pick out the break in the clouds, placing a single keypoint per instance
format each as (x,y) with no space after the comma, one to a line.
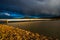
(36,7)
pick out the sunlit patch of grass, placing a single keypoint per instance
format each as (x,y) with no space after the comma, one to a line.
(11,33)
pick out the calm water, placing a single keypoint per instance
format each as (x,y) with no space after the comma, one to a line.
(49,28)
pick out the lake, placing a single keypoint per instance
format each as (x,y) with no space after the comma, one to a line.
(48,28)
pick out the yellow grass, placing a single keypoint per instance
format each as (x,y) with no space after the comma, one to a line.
(11,33)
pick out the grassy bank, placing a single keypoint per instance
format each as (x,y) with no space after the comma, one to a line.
(11,33)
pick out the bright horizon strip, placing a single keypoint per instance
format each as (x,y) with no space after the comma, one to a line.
(22,19)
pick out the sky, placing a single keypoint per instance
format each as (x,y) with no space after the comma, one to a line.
(32,7)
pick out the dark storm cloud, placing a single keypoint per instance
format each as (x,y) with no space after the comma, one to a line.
(33,6)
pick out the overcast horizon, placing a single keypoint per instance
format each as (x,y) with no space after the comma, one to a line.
(29,8)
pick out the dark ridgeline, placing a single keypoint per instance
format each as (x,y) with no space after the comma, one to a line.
(56,18)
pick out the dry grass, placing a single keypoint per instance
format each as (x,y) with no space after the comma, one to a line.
(11,33)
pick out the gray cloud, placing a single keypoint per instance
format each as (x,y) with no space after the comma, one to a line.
(37,7)
(43,6)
